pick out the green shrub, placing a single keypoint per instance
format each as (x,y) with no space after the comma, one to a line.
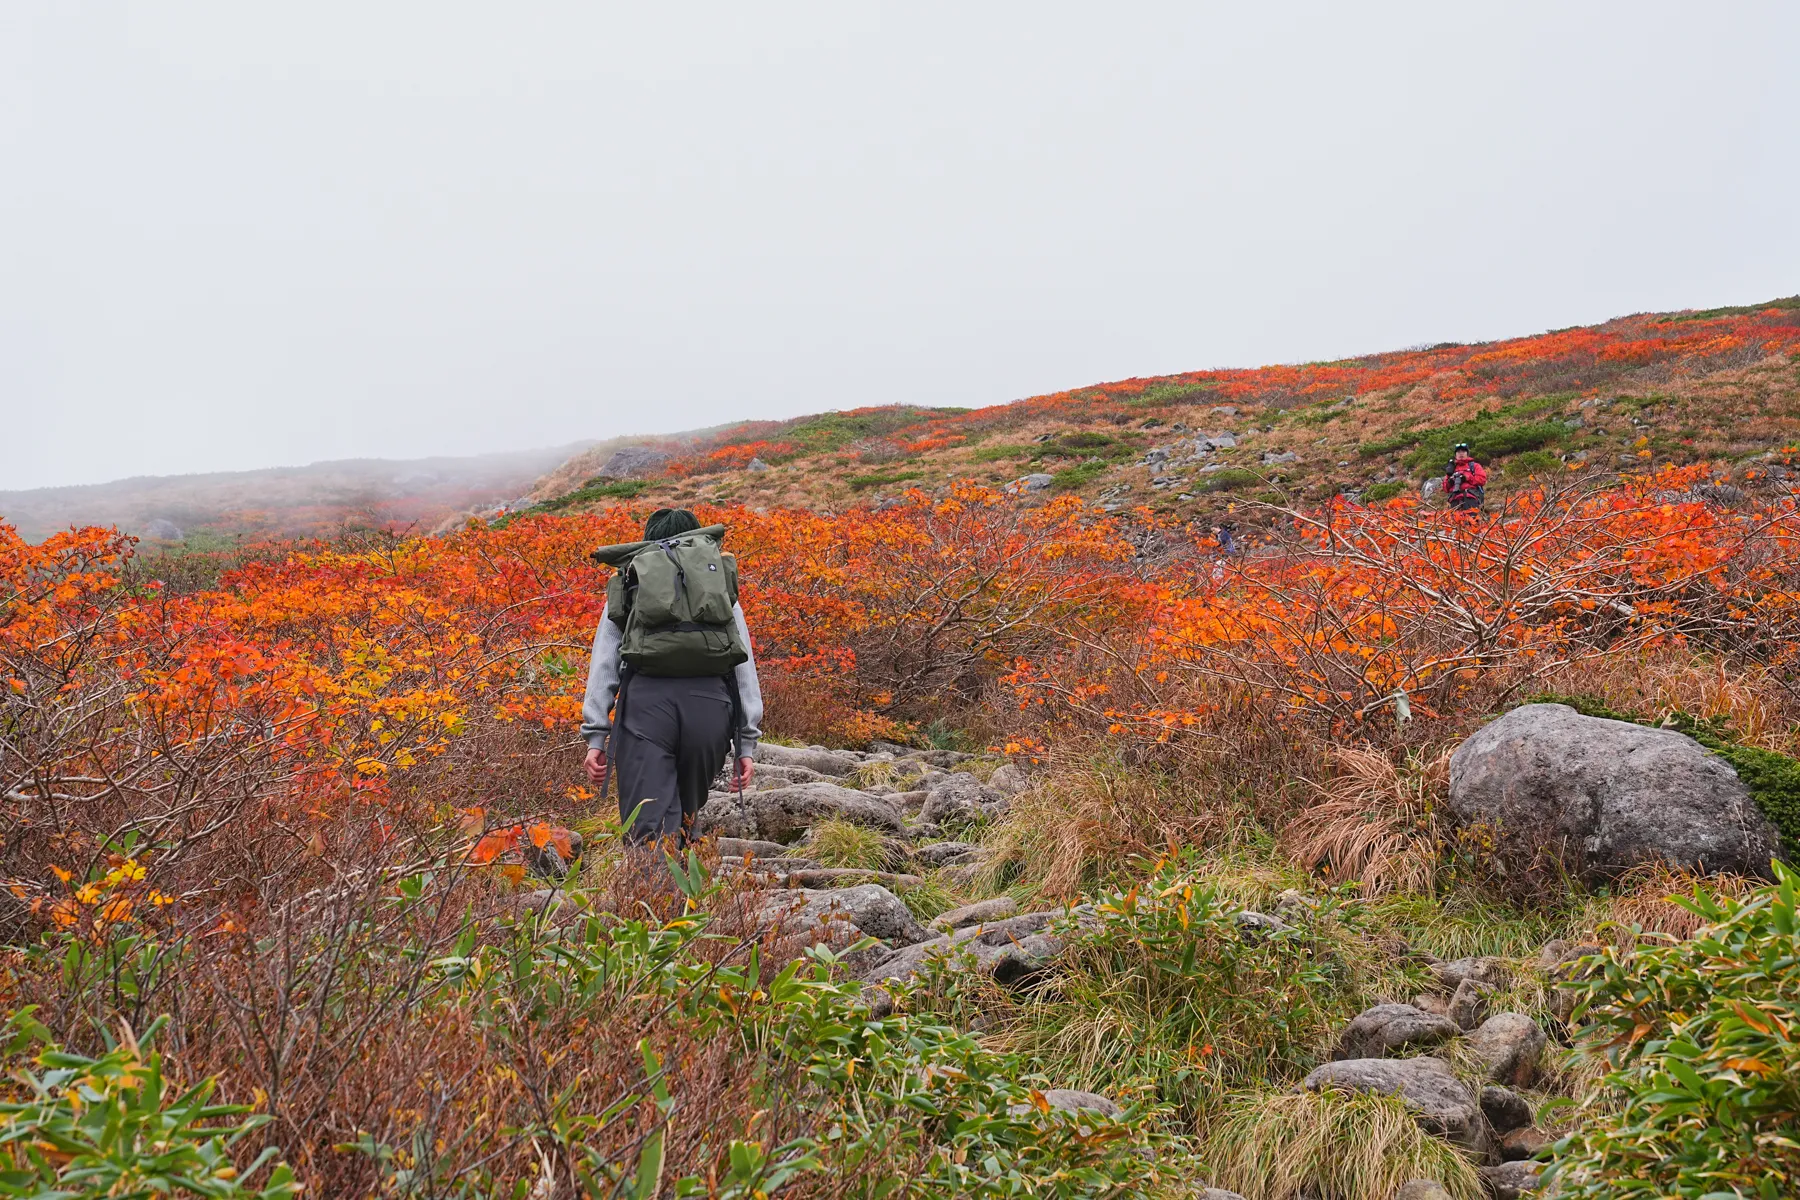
(868,1100)
(1487,442)
(1158,394)
(1404,440)
(1230,479)
(111,1126)
(1532,462)
(1704,1040)
(1074,477)
(1377,493)
(860,483)
(1002,453)
(1164,986)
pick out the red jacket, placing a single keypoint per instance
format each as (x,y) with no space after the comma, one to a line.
(1473,475)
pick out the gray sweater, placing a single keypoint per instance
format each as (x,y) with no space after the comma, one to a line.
(603,686)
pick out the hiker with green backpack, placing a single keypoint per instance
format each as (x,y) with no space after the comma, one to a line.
(672,684)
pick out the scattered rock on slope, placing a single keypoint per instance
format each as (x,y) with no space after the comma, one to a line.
(1608,795)
(633,462)
(869,907)
(960,798)
(1510,1044)
(1438,1100)
(786,812)
(1385,1028)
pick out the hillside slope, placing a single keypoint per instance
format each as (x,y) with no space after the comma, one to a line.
(285,502)
(1720,384)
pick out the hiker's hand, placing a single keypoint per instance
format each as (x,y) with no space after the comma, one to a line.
(595,764)
(740,774)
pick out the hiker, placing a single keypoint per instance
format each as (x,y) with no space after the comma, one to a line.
(1226,536)
(1465,480)
(672,684)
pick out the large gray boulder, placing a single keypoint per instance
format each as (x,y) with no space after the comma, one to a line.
(785,812)
(1607,795)
(1427,1086)
(869,907)
(959,799)
(825,762)
(1380,1031)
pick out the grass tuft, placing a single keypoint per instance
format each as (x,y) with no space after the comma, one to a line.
(836,843)
(1287,1145)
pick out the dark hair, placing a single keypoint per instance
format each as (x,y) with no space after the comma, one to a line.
(666,523)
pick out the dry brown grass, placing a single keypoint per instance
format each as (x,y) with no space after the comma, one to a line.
(1674,679)
(1376,822)
(1645,900)
(1086,815)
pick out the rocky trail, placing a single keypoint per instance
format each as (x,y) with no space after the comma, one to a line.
(1465,1067)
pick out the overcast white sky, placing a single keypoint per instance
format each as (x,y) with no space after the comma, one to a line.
(240,235)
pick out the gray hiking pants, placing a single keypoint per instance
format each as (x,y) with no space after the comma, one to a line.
(667,750)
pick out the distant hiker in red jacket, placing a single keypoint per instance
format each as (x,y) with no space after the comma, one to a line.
(1465,480)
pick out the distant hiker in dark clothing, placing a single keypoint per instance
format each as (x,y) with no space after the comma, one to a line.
(1227,537)
(1465,480)
(672,684)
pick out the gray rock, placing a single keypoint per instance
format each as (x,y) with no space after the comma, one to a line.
(825,762)
(1221,441)
(1293,905)
(1250,922)
(1008,780)
(1510,1180)
(770,775)
(785,864)
(1381,1031)
(1436,1005)
(959,799)
(1608,795)
(1505,1109)
(1273,458)
(869,907)
(910,802)
(1037,481)
(1217,1194)
(943,854)
(1439,1102)
(543,900)
(1423,1189)
(633,462)
(787,811)
(1009,950)
(756,464)
(1524,1143)
(161,529)
(996,909)
(1510,1044)
(736,848)
(1487,971)
(1070,1100)
(1469,1004)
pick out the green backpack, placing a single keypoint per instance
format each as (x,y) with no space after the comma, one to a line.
(673,600)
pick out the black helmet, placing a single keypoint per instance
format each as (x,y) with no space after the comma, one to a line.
(1460,446)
